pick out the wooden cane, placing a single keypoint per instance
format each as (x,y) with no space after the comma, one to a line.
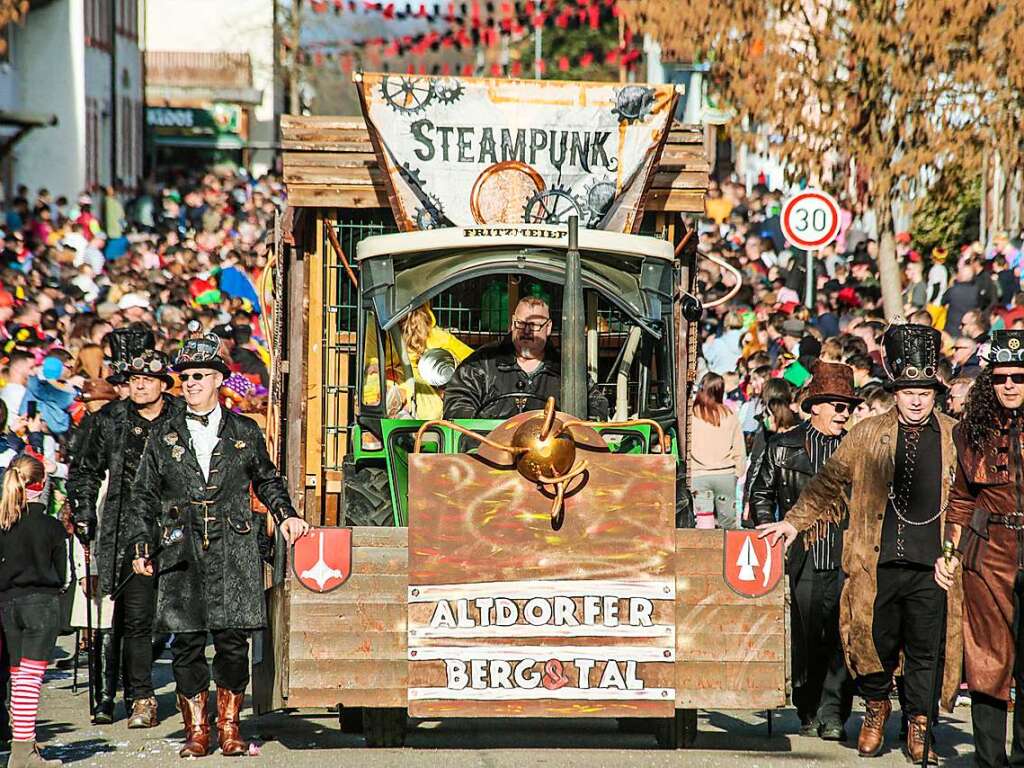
(933,700)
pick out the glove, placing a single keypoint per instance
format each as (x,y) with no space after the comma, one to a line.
(85,531)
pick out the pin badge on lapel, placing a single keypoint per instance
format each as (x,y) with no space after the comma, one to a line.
(239,444)
(171,438)
(177,452)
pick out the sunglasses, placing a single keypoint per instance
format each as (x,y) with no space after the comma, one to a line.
(194,376)
(841,407)
(1002,378)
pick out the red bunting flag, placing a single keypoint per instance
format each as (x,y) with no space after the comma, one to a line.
(563,63)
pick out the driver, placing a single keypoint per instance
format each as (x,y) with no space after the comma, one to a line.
(518,373)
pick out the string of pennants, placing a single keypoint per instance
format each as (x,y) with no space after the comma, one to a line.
(516,19)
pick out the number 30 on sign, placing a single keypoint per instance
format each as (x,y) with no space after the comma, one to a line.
(810,219)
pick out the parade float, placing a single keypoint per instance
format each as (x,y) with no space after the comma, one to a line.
(543,566)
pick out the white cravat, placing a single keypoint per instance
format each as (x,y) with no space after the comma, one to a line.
(204,438)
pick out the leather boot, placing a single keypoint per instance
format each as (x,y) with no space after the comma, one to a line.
(110,653)
(872,731)
(197,727)
(915,741)
(143,714)
(25,754)
(229,707)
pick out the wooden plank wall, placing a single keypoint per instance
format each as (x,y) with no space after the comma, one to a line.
(349,646)
(329,161)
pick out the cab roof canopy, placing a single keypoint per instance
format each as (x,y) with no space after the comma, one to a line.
(399,272)
(329,163)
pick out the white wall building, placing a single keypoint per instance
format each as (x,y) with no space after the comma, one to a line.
(78,61)
(225,26)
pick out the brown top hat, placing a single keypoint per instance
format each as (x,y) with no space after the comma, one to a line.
(829,381)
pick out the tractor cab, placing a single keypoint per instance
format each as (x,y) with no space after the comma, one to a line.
(460,285)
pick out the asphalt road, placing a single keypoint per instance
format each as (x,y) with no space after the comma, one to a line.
(313,738)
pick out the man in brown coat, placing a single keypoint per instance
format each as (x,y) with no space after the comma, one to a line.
(986,522)
(899,469)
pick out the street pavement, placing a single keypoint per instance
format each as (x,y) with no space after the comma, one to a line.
(313,738)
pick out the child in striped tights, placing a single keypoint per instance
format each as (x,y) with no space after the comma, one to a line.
(33,565)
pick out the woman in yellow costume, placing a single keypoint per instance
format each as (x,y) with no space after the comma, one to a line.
(418,397)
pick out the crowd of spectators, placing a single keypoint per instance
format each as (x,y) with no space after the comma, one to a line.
(190,251)
(757,348)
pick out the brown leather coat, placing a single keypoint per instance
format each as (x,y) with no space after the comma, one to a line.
(865,462)
(989,482)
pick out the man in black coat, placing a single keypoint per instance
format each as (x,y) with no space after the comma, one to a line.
(518,373)
(110,447)
(822,692)
(196,530)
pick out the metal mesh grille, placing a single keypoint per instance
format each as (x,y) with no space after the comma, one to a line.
(339,323)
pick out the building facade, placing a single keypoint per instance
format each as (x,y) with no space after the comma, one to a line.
(78,62)
(208,34)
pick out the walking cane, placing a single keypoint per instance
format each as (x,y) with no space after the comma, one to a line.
(933,700)
(74,674)
(90,655)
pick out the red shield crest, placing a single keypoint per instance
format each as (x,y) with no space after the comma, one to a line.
(751,567)
(322,560)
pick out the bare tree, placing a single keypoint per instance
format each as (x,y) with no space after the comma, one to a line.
(903,88)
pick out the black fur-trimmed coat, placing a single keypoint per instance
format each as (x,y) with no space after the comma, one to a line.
(219,586)
(100,448)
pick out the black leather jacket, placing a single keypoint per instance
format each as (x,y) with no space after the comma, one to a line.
(784,470)
(489,384)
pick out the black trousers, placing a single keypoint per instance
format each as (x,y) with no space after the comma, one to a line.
(230,661)
(908,618)
(30,625)
(988,719)
(133,621)
(827,694)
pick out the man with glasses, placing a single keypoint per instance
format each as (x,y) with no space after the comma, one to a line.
(897,470)
(109,446)
(821,689)
(518,373)
(195,530)
(986,523)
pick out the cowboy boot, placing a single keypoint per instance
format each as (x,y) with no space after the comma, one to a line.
(110,652)
(872,731)
(25,754)
(229,706)
(143,714)
(197,728)
(915,741)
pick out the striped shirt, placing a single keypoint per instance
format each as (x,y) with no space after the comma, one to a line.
(824,551)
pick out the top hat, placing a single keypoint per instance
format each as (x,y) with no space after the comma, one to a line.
(830,381)
(149,362)
(1007,348)
(912,356)
(201,352)
(126,344)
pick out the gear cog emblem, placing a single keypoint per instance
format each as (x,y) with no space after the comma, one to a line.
(552,206)
(633,103)
(599,198)
(407,95)
(448,90)
(431,216)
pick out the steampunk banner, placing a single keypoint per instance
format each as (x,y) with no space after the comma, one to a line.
(467,151)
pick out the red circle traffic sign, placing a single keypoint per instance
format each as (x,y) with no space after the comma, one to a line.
(810,219)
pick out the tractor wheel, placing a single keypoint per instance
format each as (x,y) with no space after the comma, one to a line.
(350,719)
(679,732)
(384,726)
(366,495)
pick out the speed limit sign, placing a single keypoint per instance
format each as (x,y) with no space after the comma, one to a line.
(810,219)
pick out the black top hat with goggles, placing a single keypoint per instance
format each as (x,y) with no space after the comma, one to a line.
(127,345)
(149,362)
(1006,348)
(912,357)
